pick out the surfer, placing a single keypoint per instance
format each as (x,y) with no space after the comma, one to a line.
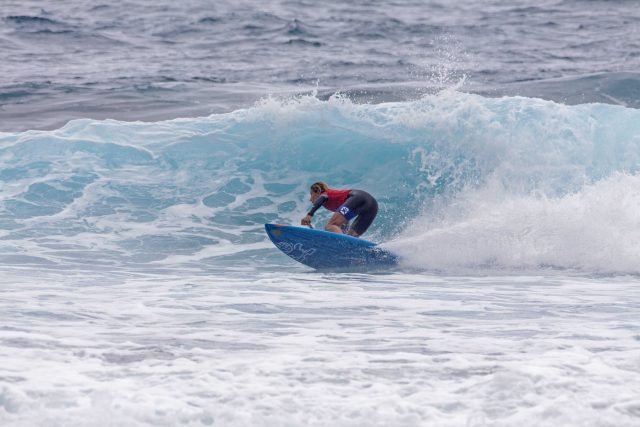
(347,205)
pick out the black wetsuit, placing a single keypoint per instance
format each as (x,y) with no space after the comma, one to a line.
(359,205)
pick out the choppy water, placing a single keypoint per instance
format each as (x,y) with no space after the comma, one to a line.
(138,286)
(157,60)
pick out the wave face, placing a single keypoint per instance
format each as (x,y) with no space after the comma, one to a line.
(464,182)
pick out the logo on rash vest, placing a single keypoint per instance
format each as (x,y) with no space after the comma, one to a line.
(296,251)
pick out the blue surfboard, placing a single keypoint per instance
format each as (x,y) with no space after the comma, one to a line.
(323,250)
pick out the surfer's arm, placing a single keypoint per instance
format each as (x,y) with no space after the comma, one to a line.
(319,202)
(316,205)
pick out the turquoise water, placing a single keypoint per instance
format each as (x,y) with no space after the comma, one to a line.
(506,183)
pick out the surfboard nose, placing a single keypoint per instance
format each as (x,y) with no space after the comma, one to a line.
(273,230)
(272,226)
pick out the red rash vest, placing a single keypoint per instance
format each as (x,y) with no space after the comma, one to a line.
(331,200)
(335,199)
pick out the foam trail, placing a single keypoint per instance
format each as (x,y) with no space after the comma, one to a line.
(596,230)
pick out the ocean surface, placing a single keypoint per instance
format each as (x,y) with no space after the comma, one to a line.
(143,145)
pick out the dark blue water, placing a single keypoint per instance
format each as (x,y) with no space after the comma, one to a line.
(134,60)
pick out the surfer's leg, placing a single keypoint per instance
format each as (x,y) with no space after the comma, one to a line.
(366,214)
(335,223)
(360,204)
(345,213)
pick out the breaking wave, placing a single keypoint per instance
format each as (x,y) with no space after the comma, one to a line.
(463,181)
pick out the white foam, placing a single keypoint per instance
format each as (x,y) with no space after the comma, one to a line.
(282,349)
(595,230)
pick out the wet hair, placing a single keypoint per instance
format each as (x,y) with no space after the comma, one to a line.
(319,187)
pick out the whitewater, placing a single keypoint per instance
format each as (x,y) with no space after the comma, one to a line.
(139,287)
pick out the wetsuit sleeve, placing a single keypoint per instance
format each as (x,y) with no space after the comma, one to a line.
(319,202)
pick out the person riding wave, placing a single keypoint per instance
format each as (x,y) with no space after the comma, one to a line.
(347,205)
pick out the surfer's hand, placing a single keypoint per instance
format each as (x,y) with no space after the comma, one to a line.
(306,220)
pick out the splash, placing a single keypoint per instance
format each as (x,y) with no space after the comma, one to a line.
(592,230)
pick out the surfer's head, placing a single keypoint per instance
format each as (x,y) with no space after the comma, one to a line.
(317,188)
